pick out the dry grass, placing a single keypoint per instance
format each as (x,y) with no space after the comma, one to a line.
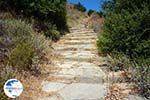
(116,93)
(31,86)
(32,83)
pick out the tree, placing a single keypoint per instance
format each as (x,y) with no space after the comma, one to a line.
(100,13)
(90,12)
(80,7)
(126,28)
(42,10)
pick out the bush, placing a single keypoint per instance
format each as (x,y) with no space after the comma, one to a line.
(127,32)
(140,75)
(21,56)
(24,47)
(134,72)
(6,15)
(118,61)
(100,13)
(80,7)
(41,44)
(90,12)
(13,31)
(51,31)
(43,10)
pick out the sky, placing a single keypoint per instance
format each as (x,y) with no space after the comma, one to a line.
(89,4)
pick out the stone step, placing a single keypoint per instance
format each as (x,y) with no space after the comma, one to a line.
(92,58)
(78,77)
(79,55)
(74,64)
(79,42)
(75,52)
(79,29)
(76,91)
(74,46)
(83,32)
(67,78)
(82,71)
(83,91)
(64,49)
(55,97)
(134,97)
(80,35)
(80,38)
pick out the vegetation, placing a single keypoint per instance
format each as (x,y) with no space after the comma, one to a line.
(80,7)
(90,12)
(126,30)
(100,13)
(19,42)
(133,72)
(131,26)
(74,17)
(23,24)
(42,10)
(22,49)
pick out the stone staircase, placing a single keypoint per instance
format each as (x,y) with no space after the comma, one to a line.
(79,77)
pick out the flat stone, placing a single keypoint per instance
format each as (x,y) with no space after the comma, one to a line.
(79,55)
(81,35)
(75,64)
(80,42)
(81,46)
(76,47)
(79,38)
(70,52)
(135,97)
(48,98)
(77,41)
(81,58)
(83,91)
(52,86)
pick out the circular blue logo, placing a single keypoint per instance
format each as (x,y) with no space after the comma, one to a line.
(13,88)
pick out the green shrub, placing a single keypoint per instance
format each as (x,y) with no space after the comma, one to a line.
(140,75)
(26,47)
(13,31)
(51,32)
(80,7)
(42,48)
(41,44)
(127,32)
(43,10)
(90,12)
(6,15)
(21,56)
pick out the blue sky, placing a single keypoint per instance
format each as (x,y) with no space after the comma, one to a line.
(89,4)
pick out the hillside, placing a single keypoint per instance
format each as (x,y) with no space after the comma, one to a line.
(62,51)
(74,17)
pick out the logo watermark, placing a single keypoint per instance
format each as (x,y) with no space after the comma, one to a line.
(13,88)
